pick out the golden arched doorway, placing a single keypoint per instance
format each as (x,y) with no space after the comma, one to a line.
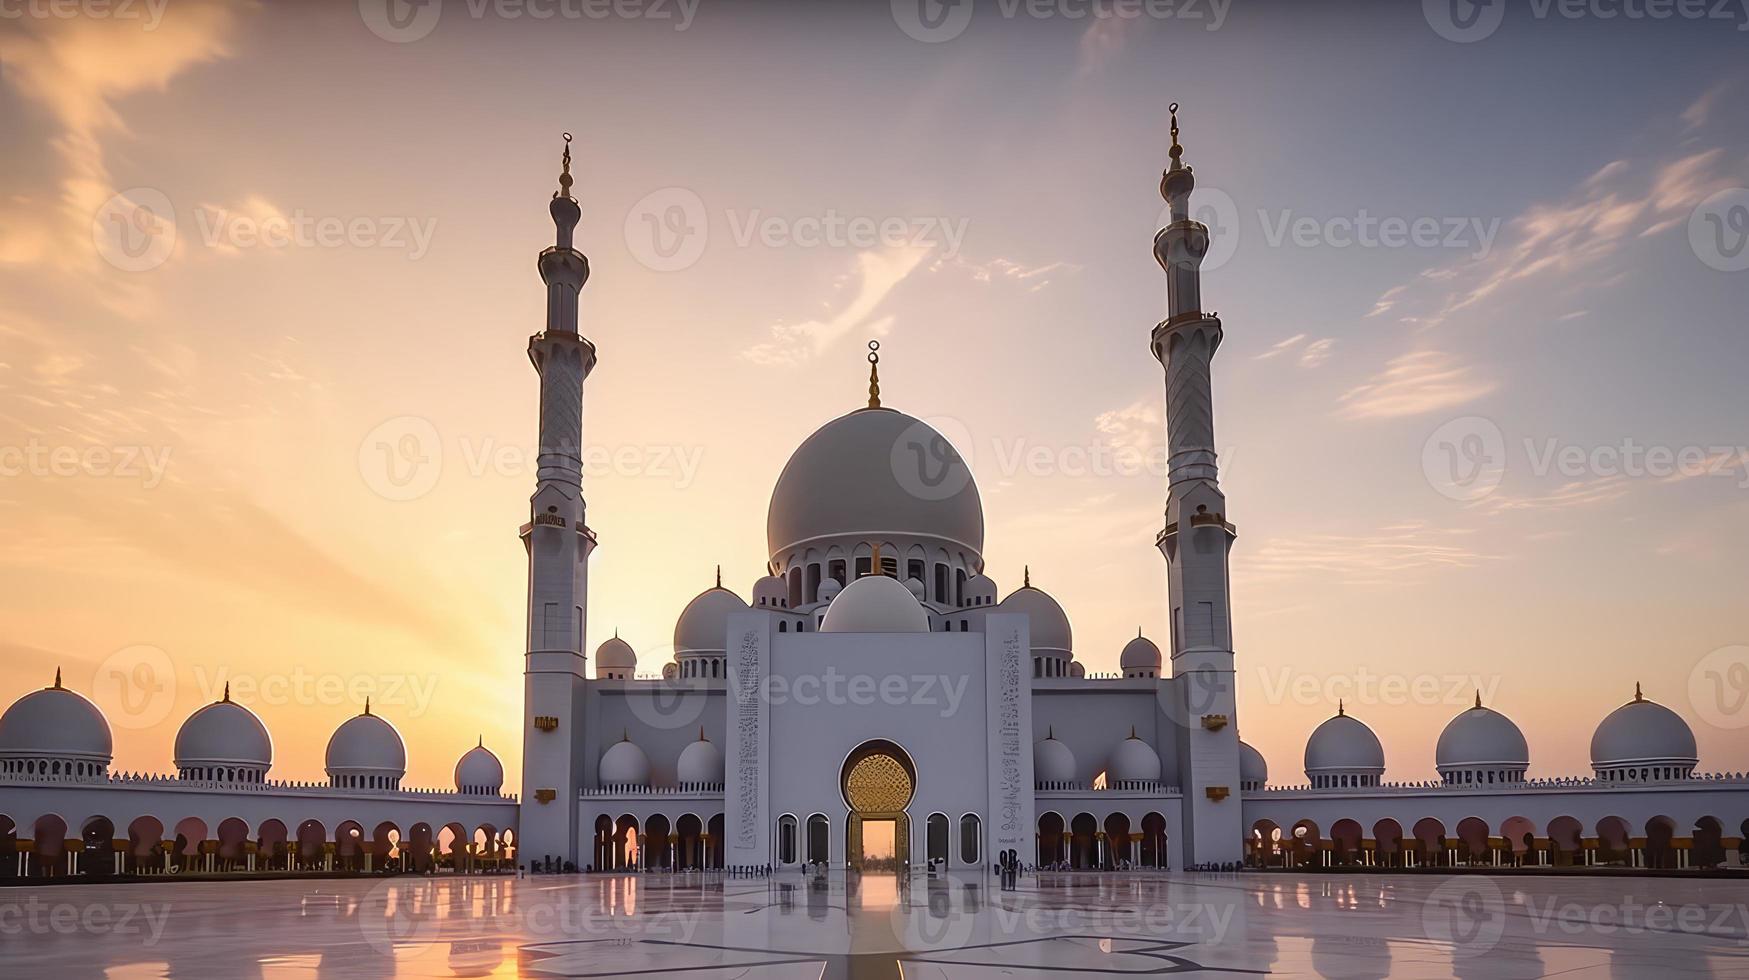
(878,781)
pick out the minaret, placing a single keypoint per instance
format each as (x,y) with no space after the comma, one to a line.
(558,543)
(1197,537)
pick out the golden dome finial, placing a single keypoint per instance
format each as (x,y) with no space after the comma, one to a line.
(1637,695)
(565,174)
(57,686)
(1478,698)
(1026,576)
(874,374)
(1341,709)
(874,561)
(367,704)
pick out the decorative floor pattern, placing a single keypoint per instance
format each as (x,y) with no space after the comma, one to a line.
(850,928)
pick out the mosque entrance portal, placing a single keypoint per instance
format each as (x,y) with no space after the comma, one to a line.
(878,782)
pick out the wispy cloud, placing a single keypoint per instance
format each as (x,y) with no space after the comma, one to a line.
(1032,277)
(1388,555)
(1414,383)
(875,275)
(1568,243)
(1312,353)
(1567,496)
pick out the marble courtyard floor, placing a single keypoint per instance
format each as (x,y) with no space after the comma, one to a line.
(1068,925)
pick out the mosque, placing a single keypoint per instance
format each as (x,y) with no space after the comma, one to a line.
(877,701)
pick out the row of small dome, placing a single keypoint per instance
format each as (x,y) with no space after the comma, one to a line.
(1640,740)
(870,604)
(56,731)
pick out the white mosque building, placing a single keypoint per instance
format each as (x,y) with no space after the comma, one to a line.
(877,700)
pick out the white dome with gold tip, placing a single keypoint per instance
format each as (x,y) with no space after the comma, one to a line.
(55,725)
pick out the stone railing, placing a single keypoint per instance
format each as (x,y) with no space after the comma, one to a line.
(1547,783)
(683,789)
(1139,787)
(156,782)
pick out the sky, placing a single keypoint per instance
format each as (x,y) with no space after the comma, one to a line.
(267,275)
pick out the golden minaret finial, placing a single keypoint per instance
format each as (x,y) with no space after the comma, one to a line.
(874,374)
(565,174)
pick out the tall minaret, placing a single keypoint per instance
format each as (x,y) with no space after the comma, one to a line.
(1197,537)
(558,543)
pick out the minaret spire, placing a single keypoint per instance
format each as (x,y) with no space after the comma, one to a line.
(874,374)
(565,171)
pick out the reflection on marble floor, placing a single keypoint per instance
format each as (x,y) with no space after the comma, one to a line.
(919,927)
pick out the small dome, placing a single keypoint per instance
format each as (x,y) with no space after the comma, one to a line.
(770,592)
(701,762)
(1481,738)
(615,654)
(366,745)
(1077,669)
(703,626)
(1049,625)
(1133,761)
(670,671)
(1253,768)
(1344,744)
(1052,762)
(223,734)
(55,723)
(916,586)
(1140,654)
(624,764)
(479,771)
(980,591)
(1642,733)
(875,604)
(829,589)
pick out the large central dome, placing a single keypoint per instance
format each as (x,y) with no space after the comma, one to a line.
(875,473)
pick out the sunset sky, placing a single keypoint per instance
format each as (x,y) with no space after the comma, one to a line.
(194,416)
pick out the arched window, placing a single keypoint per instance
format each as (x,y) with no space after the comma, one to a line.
(819,839)
(786,839)
(935,840)
(970,833)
